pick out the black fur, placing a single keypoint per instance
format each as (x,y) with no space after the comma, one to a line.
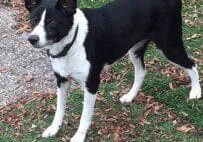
(60,79)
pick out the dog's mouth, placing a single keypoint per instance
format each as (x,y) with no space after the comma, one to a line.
(49,43)
(37,46)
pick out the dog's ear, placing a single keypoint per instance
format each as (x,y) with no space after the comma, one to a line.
(67,6)
(31,4)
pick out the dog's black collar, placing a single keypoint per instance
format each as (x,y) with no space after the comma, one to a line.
(66,48)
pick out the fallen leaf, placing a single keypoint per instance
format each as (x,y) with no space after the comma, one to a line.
(184,113)
(142,121)
(29,78)
(175,122)
(194,36)
(141,98)
(117,134)
(147,112)
(4,69)
(185,128)
(33,126)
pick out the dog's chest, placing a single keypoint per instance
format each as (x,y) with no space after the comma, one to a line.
(75,66)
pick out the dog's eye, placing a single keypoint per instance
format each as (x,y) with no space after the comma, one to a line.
(34,21)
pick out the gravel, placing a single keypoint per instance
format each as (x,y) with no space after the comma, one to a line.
(23,70)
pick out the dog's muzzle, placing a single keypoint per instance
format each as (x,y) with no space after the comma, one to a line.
(33,39)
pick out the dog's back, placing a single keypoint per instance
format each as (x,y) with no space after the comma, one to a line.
(120,25)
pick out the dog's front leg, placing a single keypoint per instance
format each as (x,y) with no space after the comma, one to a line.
(63,86)
(85,121)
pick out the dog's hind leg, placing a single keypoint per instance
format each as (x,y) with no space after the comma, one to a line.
(63,86)
(195,92)
(177,55)
(172,47)
(137,57)
(168,38)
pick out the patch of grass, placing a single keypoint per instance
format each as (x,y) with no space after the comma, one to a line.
(93,4)
(175,99)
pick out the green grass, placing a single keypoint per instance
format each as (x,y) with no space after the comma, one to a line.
(110,116)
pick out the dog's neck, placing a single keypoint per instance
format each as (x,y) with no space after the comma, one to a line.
(65,50)
(57,49)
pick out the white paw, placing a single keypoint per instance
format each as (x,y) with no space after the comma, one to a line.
(50,131)
(128,98)
(78,137)
(195,93)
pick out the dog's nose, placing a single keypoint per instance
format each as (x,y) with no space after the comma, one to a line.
(33,39)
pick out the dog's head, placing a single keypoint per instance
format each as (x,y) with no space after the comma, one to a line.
(50,21)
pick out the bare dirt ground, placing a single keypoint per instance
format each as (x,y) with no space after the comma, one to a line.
(23,70)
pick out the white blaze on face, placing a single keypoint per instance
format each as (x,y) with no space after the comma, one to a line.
(39,30)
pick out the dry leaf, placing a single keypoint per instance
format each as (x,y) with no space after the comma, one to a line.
(141,98)
(29,78)
(147,112)
(4,69)
(117,134)
(175,122)
(142,121)
(194,36)
(185,128)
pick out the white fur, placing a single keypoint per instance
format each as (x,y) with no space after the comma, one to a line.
(40,31)
(195,92)
(140,73)
(85,121)
(61,104)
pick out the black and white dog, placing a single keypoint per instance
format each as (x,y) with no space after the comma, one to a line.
(81,42)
